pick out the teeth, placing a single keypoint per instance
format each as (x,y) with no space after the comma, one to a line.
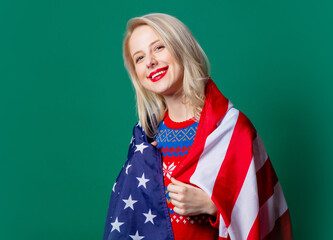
(159,73)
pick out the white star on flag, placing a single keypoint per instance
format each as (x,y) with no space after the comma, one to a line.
(143,181)
(116,225)
(136,236)
(114,185)
(127,167)
(139,124)
(131,140)
(129,202)
(149,217)
(140,147)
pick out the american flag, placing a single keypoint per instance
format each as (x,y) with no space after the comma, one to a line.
(138,208)
(227,160)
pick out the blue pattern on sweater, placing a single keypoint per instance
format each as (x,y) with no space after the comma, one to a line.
(175,142)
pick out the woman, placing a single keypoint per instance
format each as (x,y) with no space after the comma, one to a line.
(214,164)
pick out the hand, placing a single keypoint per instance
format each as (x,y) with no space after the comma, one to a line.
(154,143)
(189,200)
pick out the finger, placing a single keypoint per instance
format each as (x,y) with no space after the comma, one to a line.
(179,211)
(154,143)
(177,204)
(176,182)
(179,183)
(176,189)
(175,196)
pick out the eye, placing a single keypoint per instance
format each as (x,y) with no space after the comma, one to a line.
(159,47)
(138,59)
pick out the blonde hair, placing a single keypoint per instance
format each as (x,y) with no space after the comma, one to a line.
(186,51)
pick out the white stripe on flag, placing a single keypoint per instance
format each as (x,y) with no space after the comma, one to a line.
(214,152)
(223,231)
(271,210)
(246,208)
(259,152)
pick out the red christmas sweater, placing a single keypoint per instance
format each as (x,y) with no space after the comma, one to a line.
(174,140)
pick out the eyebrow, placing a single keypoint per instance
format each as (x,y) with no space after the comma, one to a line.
(152,43)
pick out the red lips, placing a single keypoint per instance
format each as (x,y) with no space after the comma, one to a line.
(157,70)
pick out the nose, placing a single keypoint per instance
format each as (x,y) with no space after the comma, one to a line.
(151,61)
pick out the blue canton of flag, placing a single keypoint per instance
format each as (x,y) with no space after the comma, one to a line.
(138,208)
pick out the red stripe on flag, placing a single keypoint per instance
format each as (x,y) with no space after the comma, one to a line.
(266,179)
(234,167)
(254,234)
(282,228)
(215,107)
(222,238)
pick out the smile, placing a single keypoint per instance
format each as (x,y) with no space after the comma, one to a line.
(158,74)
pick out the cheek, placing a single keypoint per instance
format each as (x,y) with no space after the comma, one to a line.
(179,71)
(139,72)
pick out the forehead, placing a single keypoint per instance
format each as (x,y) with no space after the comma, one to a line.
(141,38)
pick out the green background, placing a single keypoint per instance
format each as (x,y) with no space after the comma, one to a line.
(67,105)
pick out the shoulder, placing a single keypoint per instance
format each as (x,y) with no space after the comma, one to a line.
(238,123)
(138,132)
(244,129)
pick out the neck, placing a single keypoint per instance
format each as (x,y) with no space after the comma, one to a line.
(178,110)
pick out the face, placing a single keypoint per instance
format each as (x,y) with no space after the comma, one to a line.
(155,67)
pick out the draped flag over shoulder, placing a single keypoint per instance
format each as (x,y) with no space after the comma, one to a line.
(138,208)
(227,160)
